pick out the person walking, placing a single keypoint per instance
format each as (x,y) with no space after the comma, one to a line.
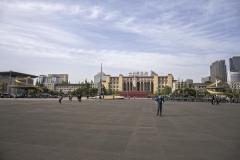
(213,100)
(60,99)
(217,101)
(160,101)
(70,98)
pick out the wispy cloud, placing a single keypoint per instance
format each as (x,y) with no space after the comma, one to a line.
(164,36)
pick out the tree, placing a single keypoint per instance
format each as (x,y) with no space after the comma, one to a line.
(61,92)
(69,93)
(3,87)
(104,91)
(39,84)
(51,92)
(207,82)
(36,84)
(166,90)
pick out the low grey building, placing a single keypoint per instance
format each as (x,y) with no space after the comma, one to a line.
(13,87)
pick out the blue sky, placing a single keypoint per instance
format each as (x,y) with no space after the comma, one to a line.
(74,37)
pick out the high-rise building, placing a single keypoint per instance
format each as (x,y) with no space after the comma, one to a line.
(62,77)
(234,64)
(218,68)
(52,79)
(98,77)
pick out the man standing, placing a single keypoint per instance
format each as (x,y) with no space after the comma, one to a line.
(60,99)
(217,100)
(80,98)
(160,101)
(213,100)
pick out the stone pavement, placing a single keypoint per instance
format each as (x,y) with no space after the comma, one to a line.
(118,129)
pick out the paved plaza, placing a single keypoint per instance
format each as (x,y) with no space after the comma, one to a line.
(42,129)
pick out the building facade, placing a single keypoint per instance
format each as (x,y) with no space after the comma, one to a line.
(99,76)
(45,79)
(234,73)
(205,79)
(62,77)
(97,80)
(138,83)
(189,81)
(233,76)
(9,78)
(234,85)
(218,68)
(65,88)
(234,64)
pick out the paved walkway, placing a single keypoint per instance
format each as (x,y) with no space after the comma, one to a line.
(118,129)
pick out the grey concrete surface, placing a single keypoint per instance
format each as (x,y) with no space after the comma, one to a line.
(118,129)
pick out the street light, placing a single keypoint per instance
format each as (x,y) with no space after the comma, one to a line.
(196,93)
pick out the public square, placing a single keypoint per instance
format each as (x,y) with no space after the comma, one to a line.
(42,129)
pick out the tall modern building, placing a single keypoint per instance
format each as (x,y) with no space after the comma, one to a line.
(53,79)
(98,77)
(62,77)
(218,68)
(234,64)
(234,73)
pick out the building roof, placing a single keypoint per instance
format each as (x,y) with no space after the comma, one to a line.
(16,74)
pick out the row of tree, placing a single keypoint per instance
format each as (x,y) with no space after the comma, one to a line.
(3,87)
(84,89)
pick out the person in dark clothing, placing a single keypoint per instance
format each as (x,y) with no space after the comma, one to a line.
(213,100)
(160,101)
(70,98)
(80,98)
(60,99)
(217,101)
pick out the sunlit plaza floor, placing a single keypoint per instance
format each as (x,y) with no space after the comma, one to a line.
(118,129)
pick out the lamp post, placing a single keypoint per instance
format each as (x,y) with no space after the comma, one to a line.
(101,81)
(196,93)
(127,88)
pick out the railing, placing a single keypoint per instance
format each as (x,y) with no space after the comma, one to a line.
(198,99)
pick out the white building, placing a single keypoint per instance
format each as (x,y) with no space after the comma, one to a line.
(204,79)
(233,76)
